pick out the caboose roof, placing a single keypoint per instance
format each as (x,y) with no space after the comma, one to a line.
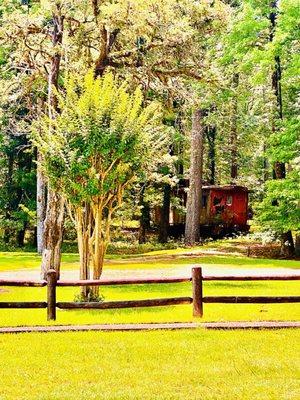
(234,188)
(184,183)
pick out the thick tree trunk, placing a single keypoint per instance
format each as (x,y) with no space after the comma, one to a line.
(165,215)
(54,221)
(192,225)
(287,245)
(53,233)
(233,133)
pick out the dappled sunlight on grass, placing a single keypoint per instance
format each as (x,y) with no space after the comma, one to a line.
(15,261)
(11,261)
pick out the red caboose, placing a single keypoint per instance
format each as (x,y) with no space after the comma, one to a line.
(224,209)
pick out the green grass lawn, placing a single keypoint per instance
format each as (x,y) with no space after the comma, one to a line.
(161,365)
(12,261)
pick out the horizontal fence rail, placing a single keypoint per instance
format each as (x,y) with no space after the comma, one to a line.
(23,304)
(251,299)
(126,304)
(22,283)
(115,282)
(291,277)
(197,298)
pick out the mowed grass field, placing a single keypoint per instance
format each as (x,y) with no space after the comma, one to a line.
(212,312)
(161,365)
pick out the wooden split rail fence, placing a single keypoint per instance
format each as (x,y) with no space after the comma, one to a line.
(197,299)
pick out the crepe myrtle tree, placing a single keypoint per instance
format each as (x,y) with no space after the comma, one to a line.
(102,141)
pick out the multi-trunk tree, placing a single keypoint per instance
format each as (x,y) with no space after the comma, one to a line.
(99,143)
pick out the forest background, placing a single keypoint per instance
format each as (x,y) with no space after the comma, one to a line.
(231,67)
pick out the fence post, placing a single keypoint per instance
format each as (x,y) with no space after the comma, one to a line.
(51,295)
(197,292)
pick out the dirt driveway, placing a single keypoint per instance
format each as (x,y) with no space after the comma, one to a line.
(175,271)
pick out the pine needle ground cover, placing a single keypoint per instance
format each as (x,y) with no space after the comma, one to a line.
(162,365)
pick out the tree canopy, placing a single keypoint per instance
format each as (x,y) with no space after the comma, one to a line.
(158,63)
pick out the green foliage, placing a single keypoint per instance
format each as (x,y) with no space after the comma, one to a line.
(181,52)
(280,210)
(102,139)
(263,138)
(17,188)
(248,34)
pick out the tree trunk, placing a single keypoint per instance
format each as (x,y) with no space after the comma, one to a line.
(21,235)
(98,261)
(99,245)
(53,234)
(233,133)
(145,217)
(287,245)
(165,215)
(211,139)
(41,205)
(192,225)
(84,227)
(57,36)
(265,165)
(279,170)
(54,220)
(297,245)
(9,208)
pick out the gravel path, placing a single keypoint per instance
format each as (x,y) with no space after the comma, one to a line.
(178,271)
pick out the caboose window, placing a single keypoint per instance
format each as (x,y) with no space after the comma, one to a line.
(204,201)
(216,201)
(229,200)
